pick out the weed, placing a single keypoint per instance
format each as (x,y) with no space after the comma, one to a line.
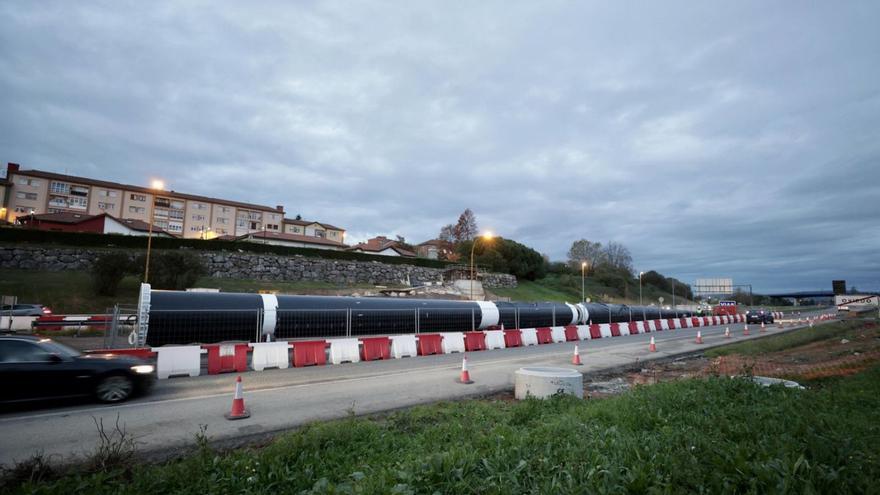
(115,449)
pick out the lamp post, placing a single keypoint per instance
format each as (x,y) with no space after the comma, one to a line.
(488,237)
(583,278)
(157,185)
(640,287)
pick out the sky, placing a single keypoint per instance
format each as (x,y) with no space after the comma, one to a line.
(713,139)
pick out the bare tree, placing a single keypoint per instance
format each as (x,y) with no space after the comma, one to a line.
(586,251)
(447,233)
(618,256)
(466,228)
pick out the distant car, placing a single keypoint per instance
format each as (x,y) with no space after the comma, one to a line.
(759,316)
(24,310)
(34,368)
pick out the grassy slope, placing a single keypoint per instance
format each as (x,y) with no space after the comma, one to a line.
(70,292)
(568,289)
(712,436)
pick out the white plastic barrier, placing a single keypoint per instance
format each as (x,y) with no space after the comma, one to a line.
(664,324)
(717,320)
(403,346)
(453,342)
(495,339)
(557,334)
(605,330)
(342,350)
(174,360)
(725,320)
(270,355)
(623,328)
(18,322)
(529,336)
(584,332)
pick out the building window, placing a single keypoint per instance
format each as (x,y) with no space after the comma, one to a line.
(78,203)
(271,226)
(137,209)
(175,214)
(320,233)
(254,215)
(175,227)
(162,202)
(55,210)
(162,224)
(223,221)
(107,193)
(296,230)
(177,205)
(160,212)
(59,201)
(255,226)
(28,196)
(138,197)
(106,206)
(28,182)
(199,206)
(23,209)
(224,209)
(81,191)
(59,187)
(198,218)
(333,234)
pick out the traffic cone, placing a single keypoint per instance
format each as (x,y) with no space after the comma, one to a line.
(746,329)
(238,410)
(576,359)
(811,323)
(762,328)
(726,332)
(652,347)
(699,337)
(465,375)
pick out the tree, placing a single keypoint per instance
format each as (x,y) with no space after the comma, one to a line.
(174,270)
(657,280)
(447,233)
(466,228)
(618,256)
(583,250)
(107,272)
(506,256)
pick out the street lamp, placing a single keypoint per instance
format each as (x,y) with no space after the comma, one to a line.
(488,237)
(583,278)
(640,287)
(157,185)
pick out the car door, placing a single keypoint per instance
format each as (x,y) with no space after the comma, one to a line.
(33,372)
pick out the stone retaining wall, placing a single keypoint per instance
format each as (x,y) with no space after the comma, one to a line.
(222,264)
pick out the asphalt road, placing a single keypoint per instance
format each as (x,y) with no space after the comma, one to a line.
(172,414)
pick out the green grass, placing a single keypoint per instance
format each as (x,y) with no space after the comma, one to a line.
(567,288)
(787,340)
(70,292)
(718,435)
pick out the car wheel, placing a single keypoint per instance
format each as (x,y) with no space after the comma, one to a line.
(114,388)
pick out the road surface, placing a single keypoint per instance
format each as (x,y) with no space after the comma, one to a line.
(168,418)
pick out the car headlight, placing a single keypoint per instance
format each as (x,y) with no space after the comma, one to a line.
(143,368)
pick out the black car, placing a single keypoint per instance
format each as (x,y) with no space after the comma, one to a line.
(34,368)
(759,316)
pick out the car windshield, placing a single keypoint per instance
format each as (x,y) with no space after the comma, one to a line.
(53,347)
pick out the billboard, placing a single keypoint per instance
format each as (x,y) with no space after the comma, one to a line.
(839,287)
(851,300)
(713,286)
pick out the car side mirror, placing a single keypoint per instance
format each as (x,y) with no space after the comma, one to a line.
(55,358)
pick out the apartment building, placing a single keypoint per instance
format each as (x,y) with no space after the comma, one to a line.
(28,192)
(314,229)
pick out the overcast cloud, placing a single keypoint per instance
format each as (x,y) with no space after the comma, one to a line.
(713,139)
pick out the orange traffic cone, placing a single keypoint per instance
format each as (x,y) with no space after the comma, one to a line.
(726,332)
(699,337)
(576,359)
(238,410)
(652,347)
(465,375)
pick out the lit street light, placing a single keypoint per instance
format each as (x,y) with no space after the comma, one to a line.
(583,278)
(157,185)
(640,287)
(488,237)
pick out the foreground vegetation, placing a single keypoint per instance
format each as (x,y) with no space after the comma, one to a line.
(718,435)
(787,340)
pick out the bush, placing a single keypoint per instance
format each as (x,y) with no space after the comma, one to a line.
(174,270)
(108,271)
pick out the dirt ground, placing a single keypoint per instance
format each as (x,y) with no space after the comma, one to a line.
(844,355)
